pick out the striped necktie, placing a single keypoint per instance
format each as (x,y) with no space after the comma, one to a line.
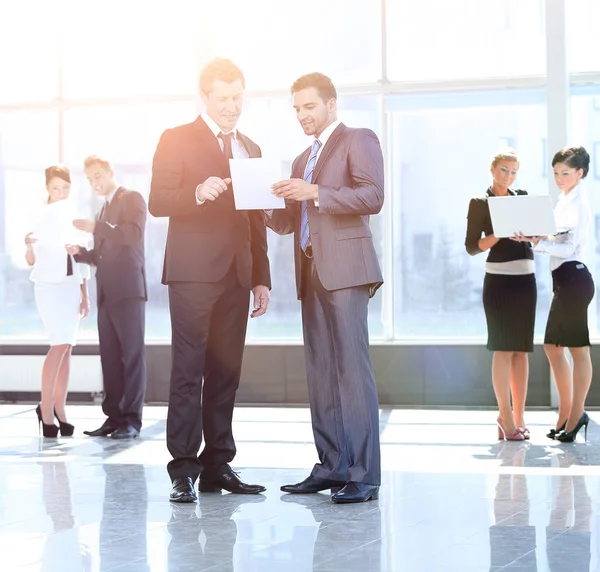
(308,173)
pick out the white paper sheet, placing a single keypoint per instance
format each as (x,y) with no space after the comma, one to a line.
(55,225)
(252,180)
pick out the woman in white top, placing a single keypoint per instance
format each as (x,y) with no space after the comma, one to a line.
(60,294)
(573,288)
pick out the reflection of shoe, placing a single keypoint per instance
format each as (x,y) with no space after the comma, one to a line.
(308,501)
(512,453)
(182,511)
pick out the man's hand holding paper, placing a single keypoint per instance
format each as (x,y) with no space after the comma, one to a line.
(296,189)
(211,189)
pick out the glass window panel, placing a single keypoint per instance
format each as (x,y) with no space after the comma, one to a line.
(29,48)
(275,42)
(23,158)
(429,39)
(583,40)
(440,155)
(585,130)
(124,49)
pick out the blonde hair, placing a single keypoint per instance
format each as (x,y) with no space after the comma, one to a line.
(97,160)
(507,154)
(221,69)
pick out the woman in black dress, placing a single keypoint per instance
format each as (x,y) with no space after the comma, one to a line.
(509,299)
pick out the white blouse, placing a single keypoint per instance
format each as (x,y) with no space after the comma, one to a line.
(53,230)
(572,213)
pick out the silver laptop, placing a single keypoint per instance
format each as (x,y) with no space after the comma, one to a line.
(530,214)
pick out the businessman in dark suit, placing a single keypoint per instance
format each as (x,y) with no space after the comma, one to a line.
(215,255)
(118,255)
(336,184)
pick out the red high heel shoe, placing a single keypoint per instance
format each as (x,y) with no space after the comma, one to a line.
(515,435)
(525,431)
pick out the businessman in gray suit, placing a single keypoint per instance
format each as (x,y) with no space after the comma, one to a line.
(336,184)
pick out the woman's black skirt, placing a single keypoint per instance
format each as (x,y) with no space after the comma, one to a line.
(509,303)
(573,288)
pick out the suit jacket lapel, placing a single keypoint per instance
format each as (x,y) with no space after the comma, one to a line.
(113,208)
(298,171)
(329,146)
(110,213)
(248,145)
(209,142)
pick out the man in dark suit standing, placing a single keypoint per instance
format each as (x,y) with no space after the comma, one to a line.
(215,255)
(336,184)
(118,255)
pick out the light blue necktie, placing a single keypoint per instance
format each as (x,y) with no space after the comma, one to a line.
(308,173)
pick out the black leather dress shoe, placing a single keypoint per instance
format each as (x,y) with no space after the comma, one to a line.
(183,490)
(313,485)
(356,492)
(104,431)
(228,481)
(125,432)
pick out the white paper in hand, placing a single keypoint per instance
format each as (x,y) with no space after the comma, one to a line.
(252,179)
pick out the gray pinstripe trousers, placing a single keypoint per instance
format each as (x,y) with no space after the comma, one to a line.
(341,385)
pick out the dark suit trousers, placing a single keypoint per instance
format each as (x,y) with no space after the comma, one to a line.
(208,322)
(121,328)
(341,385)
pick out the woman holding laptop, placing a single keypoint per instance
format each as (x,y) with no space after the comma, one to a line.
(509,299)
(573,288)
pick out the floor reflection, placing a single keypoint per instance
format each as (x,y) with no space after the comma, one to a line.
(463,503)
(63,544)
(568,534)
(512,537)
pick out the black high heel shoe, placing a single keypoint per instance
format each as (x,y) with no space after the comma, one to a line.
(569,436)
(554,432)
(51,430)
(66,429)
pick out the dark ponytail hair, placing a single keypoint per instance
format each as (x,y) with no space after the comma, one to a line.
(574,157)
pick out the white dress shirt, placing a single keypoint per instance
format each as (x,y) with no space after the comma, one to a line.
(53,231)
(237,147)
(572,213)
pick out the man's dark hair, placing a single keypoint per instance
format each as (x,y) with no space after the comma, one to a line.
(320,82)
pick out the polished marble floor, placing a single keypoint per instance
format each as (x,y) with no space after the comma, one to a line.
(453,499)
